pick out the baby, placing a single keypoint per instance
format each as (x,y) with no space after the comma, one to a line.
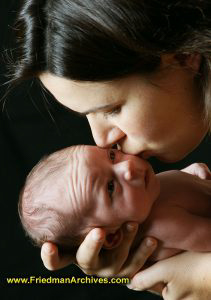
(80,188)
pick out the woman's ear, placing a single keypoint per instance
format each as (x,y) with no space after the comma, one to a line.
(113,240)
(192,61)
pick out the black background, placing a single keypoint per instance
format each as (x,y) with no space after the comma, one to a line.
(31,126)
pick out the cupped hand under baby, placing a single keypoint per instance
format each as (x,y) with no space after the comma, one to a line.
(116,262)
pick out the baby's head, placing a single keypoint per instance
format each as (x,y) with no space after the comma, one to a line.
(79,188)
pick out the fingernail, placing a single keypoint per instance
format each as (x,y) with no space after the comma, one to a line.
(150,242)
(129,286)
(48,249)
(128,175)
(131,227)
(96,235)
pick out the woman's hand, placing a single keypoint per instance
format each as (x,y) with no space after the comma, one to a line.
(114,262)
(198,169)
(110,263)
(186,276)
(51,258)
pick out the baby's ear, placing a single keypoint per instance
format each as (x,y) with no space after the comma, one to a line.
(113,240)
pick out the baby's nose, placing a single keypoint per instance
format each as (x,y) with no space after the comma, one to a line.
(130,173)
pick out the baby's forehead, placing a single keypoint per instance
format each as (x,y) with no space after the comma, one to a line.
(82,175)
(89,156)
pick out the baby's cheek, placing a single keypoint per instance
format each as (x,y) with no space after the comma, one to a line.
(139,209)
(146,207)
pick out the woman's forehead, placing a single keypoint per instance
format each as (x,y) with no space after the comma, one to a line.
(93,95)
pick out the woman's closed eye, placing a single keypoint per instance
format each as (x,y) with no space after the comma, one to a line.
(113,112)
(111,188)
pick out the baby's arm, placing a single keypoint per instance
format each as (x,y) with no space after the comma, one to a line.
(198,169)
(185,230)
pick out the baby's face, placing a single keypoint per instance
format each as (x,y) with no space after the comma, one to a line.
(113,186)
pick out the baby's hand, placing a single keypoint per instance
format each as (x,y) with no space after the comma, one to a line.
(198,169)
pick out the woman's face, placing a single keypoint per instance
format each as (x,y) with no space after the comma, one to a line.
(157,115)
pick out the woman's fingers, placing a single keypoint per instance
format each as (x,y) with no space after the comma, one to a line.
(113,260)
(138,259)
(198,169)
(51,259)
(87,255)
(129,233)
(148,278)
(105,264)
(49,255)
(157,289)
(110,263)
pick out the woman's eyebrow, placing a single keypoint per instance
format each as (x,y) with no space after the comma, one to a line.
(98,108)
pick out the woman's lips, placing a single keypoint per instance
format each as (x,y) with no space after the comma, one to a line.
(147,154)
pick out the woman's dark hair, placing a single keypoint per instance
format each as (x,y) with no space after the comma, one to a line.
(101,40)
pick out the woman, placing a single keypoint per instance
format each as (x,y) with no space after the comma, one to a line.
(140,72)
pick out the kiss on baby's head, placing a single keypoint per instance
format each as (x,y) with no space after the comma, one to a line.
(79,188)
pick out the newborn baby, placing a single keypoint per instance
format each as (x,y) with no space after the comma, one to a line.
(80,188)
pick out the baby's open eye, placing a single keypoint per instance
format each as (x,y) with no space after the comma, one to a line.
(112,155)
(111,187)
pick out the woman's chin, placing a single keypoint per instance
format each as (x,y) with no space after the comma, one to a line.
(164,156)
(170,159)
(167,160)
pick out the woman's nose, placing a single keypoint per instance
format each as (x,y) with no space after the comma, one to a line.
(104,133)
